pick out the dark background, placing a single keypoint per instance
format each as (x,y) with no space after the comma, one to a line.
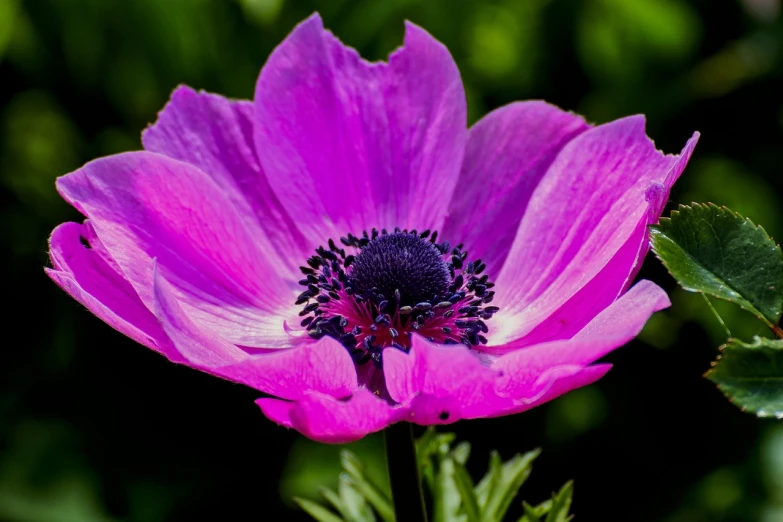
(96,428)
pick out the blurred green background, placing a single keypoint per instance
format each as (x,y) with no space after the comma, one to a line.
(96,428)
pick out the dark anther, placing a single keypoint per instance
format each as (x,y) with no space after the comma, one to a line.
(400,261)
(400,282)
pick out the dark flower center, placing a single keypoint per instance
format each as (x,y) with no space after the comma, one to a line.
(395,284)
(403,263)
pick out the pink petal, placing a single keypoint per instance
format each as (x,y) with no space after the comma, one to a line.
(144,206)
(438,383)
(322,366)
(216,135)
(591,205)
(349,145)
(508,151)
(610,329)
(326,419)
(551,384)
(83,272)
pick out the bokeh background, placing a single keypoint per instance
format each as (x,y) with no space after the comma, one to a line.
(96,428)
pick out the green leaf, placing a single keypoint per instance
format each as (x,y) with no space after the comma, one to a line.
(337,503)
(353,505)
(534,513)
(715,251)
(490,479)
(531,513)
(751,375)
(466,492)
(371,491)
(430,447)
(509,478)
(561,504)
(445,495)
(317,511)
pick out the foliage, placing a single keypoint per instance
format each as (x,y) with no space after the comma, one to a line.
(715,251)
(455,497)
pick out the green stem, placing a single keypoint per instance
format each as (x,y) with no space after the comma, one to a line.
(407,495)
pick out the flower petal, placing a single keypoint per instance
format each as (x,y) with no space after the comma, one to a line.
(216,135)
(349,145)
(507,153)
(437,383)
(81,269)
(610,329)
(322,366)
(326,419)
(144,206)
(591,204)
(551,384)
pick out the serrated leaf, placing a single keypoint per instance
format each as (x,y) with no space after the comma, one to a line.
(511,476)
(715,251)
(317,511)
(751,375)
(561,504)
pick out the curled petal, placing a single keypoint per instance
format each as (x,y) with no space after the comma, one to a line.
(437,383)
(144,206)
(326,419)
(84,270)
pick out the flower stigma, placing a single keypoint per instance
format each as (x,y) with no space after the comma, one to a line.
(392,286)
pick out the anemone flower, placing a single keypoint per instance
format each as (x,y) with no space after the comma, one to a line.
(313,243)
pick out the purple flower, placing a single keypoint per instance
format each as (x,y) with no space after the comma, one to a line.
(313,243)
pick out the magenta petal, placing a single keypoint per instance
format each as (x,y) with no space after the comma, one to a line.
(594,202)
(508,151)
(322,366)
(349,145)
(437,383)
(216,135)
(326,419)
(550,385)
(610,329)
(83,271)
(145,206)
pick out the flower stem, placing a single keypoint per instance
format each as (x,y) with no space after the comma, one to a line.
(407,496)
